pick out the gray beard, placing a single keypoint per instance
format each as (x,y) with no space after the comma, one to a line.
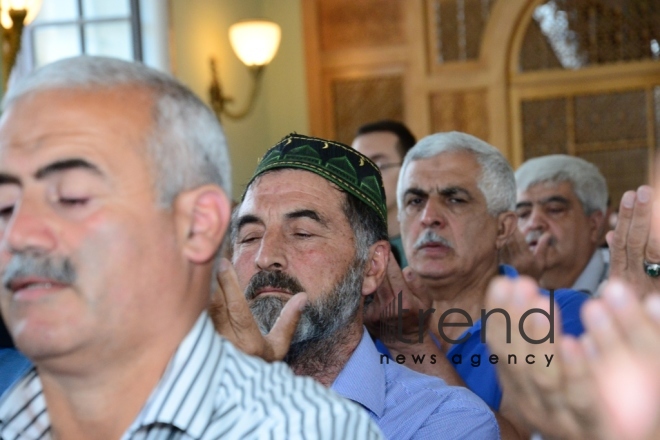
(324,324)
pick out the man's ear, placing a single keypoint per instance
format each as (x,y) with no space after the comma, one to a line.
(507,222)
(202,218)
(596,223)
(379,256)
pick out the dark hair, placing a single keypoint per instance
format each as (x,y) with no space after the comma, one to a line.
(406,138)
(368,227)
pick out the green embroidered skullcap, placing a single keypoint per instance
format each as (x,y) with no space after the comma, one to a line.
(353,172)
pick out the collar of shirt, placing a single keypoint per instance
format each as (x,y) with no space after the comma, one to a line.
(359,381)
(181,399)
(593,274)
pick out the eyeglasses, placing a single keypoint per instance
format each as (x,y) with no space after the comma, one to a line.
(386,166)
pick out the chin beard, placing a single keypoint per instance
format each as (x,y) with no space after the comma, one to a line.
(324,324)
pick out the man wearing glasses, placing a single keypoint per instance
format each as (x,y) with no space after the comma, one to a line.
(386,143)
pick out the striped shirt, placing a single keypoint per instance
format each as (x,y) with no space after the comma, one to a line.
(211,390)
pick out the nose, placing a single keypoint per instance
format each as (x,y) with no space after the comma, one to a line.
(28,229)
(536,221)
(432,214)
(271,255)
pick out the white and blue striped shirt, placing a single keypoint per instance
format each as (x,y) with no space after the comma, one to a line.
(211,390)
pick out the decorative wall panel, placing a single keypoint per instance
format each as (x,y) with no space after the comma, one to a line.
(349,24)
(623,170)
(357,102)
(456,27)
(610,117)
(463,111)
(544,127)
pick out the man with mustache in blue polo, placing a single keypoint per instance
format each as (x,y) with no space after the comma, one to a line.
(456,195)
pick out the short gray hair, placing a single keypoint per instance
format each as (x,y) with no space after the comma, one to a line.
(496,181)
(187,145)
(587,181)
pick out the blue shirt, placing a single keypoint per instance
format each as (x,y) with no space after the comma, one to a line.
(482,379)
(409,405)
(12,366)
(475,368)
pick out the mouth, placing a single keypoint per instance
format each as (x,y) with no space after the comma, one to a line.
(268,290)
(33,287)
(433,246)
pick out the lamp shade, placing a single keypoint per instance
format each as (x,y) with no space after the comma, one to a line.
(32,7)
(255,41)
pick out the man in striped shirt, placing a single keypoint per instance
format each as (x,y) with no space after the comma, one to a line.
(113,204)
(312,223)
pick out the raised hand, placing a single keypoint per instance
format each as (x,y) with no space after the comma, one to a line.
(517,253)
(232,318)
(385,307)
(622,351)
(634,241)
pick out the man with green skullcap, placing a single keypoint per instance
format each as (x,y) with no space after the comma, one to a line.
(309,238)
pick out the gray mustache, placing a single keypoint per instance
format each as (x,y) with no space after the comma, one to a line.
(22,265)
(430,237)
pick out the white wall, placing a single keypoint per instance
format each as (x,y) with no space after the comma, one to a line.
(199,30)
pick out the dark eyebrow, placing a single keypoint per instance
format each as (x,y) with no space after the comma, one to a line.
(307,213)
(551,199)
(6,179)
(64,165)
(246,219)
(454,190)
(558,199)
(415,192)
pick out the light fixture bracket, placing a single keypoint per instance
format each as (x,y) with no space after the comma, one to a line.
(219,101)
(11,42)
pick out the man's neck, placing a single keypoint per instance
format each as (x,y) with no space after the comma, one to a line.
(461,292)
(103,402)
(324,359)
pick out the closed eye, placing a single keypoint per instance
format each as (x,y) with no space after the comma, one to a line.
(73,201)
(247,240)
(6,212)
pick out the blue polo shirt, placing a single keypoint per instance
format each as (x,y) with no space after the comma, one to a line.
(12,366)
(478,373)
(408,405)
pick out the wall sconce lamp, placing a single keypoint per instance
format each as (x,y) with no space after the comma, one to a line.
(14,15)
(255,42)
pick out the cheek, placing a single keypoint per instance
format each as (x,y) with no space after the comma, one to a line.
(523,225)
(244,265)
(563,232)
(115,258)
